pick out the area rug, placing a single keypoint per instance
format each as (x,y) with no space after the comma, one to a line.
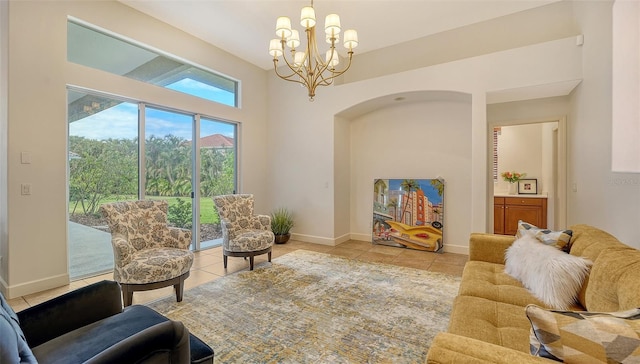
(310,307)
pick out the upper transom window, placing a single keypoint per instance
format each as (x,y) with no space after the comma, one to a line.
(106,52)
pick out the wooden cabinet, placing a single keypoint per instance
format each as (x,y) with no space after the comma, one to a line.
(507,211)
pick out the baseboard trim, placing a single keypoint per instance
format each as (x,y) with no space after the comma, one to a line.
(39,285)
(361,237)
(448,248)
(314,239)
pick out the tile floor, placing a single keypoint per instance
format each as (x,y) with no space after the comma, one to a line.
(207,267)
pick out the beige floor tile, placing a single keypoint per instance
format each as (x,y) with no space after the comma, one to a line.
(18,304)
(102,277)
(451,258)
(375,257)
(356,244)
(198,277)
(345,252)
(204,260)
(453,269)
(417,255)
(385,249)
(36,298)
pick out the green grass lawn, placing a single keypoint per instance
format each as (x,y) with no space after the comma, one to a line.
(208,213)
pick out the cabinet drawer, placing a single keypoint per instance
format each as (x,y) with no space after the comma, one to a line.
(523,201)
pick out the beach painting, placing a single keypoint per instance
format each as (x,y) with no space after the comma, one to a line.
(409,213)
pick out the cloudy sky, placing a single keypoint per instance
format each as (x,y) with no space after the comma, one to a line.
(121,121)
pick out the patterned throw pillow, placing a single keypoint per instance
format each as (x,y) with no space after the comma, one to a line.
(585,337)
(559,239)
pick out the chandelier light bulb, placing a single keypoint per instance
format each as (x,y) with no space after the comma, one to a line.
(332,58)
(332,24)
(294,40)
(283,27)
(275,48)
(298,59)
(328,38)
(308,17)
(350,39)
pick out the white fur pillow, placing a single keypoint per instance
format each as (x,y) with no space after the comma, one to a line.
(552,276)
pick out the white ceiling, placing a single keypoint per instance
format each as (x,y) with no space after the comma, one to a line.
(244,27)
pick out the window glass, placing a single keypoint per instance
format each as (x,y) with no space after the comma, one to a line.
(105,52)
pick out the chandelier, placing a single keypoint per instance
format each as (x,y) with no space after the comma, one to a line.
(308,67)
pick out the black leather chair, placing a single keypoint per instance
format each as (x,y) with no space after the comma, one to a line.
(89,325)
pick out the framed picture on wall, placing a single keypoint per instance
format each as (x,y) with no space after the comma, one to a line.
(528,186)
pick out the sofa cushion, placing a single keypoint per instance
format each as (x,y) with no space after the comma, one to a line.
(585,337)
(560,239)
(488,280)
(553,276)
(494,322)
(13,345)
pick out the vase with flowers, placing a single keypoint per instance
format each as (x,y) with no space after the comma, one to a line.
(512,178)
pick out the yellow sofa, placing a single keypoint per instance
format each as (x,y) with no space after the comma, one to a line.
(488,321)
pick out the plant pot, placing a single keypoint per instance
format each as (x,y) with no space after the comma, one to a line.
(281,239)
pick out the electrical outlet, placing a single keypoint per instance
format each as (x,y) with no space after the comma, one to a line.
(25,189)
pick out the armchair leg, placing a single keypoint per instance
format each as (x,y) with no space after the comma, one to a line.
(179,290)
(127,295)
(269,256)
(251,262)
(224,259)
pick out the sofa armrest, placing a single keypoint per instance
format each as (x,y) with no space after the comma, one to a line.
(452,349)
(70,311)
(489,247)
(166,342)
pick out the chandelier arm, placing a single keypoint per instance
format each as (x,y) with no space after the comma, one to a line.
(326,81)
(287,77)
(294,69)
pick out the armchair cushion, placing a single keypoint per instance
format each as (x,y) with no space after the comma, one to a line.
(251,239)
(156,265)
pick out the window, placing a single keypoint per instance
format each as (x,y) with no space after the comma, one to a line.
(106,52)
(494,168)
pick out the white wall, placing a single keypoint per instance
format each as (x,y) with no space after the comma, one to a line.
(602,198)
(520,150)
(39,73)
(419,140)
(311,128)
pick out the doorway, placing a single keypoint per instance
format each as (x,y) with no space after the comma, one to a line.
(538,148)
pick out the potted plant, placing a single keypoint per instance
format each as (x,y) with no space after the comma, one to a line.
(281,223)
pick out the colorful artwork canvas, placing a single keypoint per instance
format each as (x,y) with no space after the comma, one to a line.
(409,213)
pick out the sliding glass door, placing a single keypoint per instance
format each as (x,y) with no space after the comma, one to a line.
(186,159)
(217,174)
(168,162)
(103,167)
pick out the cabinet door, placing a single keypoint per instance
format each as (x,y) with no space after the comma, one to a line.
(513,213)
(498,219)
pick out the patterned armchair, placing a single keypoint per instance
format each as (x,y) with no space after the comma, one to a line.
(243,233)
(148,254)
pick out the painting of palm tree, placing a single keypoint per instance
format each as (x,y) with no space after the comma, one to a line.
(413,214)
